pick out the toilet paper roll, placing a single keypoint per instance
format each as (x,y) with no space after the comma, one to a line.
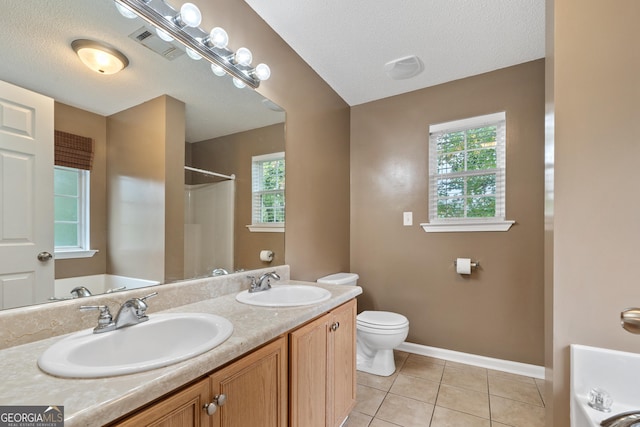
(266,256)
(463,265)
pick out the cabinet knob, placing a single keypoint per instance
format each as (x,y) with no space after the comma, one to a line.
(212,407)
(335,326)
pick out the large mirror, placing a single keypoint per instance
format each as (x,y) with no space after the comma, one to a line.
(161,113)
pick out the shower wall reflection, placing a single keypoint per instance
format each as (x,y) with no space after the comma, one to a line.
(231,155)
(208,229)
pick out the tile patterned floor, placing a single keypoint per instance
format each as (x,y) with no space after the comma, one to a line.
(429,392)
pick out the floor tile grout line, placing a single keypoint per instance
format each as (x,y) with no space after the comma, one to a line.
(489,400)
(435,404)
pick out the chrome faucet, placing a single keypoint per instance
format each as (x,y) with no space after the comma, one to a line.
(80,292)
(132,312)
(219,272)
(624,419)
(263,283)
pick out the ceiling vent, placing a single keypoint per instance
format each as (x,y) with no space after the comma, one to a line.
(404,68)
(149,39)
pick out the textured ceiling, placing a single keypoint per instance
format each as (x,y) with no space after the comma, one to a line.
(35,53)
(347,42)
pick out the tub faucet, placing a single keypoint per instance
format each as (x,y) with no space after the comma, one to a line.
(263,283)
(624,419)
(219,272)
(133,311)
(80,292)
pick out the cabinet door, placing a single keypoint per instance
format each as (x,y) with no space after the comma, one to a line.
(342,362)
(254,389)
(181,409)
(308,374)
(322,364)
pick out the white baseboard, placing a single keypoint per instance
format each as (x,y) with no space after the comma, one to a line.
(472,359)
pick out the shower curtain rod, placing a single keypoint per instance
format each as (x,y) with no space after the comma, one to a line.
(206,172)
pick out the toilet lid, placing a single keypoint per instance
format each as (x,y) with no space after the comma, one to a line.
(382,319)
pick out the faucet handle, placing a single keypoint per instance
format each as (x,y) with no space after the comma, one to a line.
(105,320)
(140,305)
(146,297)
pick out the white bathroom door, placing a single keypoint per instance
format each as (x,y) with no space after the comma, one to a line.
(26,196)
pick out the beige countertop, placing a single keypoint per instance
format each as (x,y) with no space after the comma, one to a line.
(91,402)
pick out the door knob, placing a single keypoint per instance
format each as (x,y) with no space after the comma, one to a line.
(630,320)
(44,256)
(212,407)
(335,326)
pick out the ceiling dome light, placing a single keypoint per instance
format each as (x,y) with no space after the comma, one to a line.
(125,11)
(99,57)
(219,38)
(218,70)
(238,83)
(190,15)
(243,56)
(263,72)
(164,35)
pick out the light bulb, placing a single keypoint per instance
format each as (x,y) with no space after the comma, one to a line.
(190,15)
(219,38)
(218,70)
(193,54)
(243,56)
(263,72)
(125,11)
(238,83)
(164,35)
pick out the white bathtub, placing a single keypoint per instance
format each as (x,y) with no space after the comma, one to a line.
(98,284)
(617,372)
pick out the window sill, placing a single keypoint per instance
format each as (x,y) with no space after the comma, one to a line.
(266,228)
(451,227)
(75,254)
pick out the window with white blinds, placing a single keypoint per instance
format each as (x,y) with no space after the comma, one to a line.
(268,184)
(467,175)
(71,212)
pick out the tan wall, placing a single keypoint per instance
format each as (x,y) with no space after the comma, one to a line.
(142,154)
(498,310)
(84,123)
(232,154)
(317,143)
(596,229)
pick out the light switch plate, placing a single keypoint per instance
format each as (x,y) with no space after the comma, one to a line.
(407,218)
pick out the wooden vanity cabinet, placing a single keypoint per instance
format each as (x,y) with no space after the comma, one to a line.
(254,389)
(180,409)
(322,369)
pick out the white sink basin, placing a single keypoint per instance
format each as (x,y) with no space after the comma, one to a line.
(162,340)
(616,372)
(285,296)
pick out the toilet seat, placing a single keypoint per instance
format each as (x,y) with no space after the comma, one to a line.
(381,320)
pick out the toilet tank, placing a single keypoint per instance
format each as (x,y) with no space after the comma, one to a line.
(339,279)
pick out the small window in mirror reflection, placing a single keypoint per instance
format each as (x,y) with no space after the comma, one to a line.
(71,209)
(268,183)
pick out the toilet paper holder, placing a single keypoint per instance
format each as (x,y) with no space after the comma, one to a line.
(474,264)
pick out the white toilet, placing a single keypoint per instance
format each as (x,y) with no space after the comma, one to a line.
(377,332)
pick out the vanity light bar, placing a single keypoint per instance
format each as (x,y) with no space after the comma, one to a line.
(192,38)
